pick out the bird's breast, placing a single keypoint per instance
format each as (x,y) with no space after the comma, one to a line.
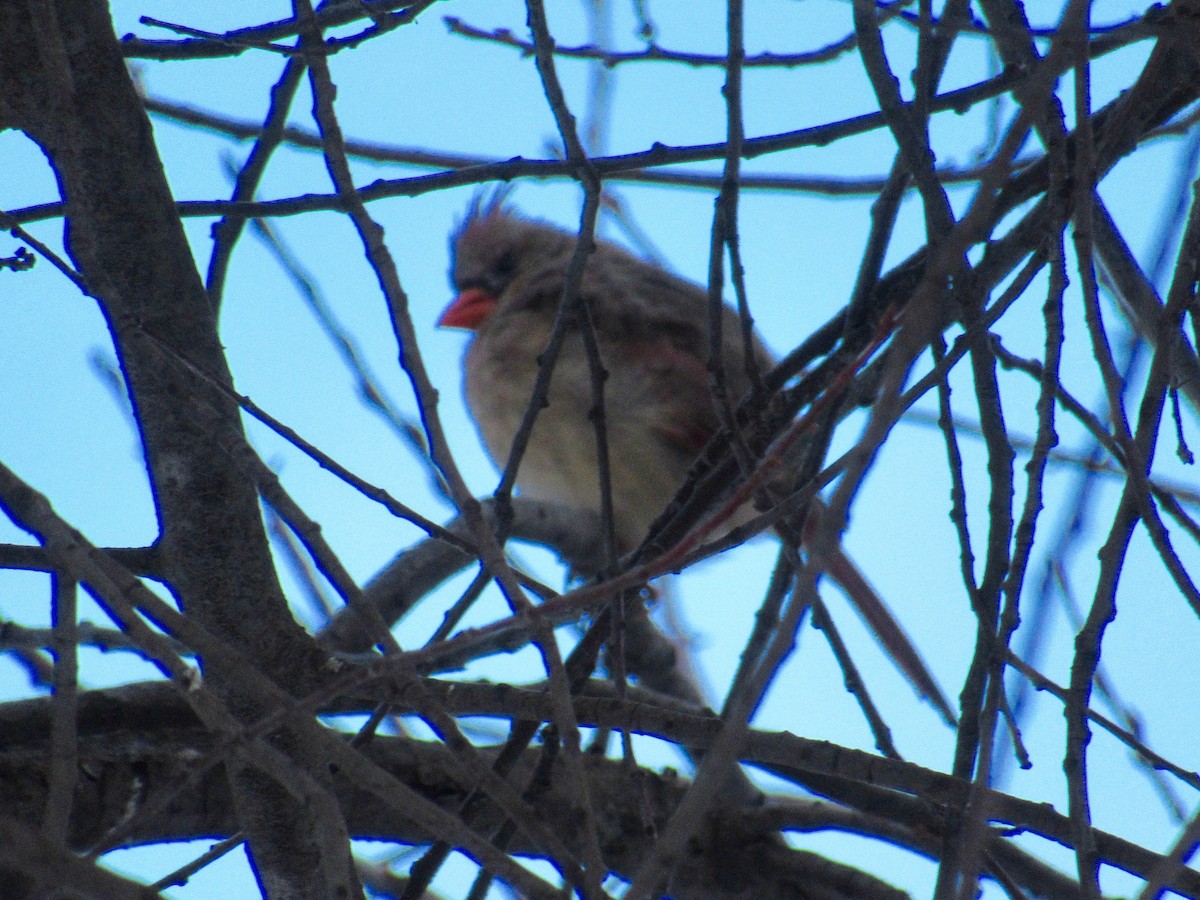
(560,462)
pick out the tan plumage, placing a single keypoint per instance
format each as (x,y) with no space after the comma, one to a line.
(652,334)
(651,331)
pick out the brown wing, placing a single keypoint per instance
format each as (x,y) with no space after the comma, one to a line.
(664,320)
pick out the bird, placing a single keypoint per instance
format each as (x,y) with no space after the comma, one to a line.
(652,335)
(651,332)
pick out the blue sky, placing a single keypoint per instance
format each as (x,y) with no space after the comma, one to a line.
(67,433)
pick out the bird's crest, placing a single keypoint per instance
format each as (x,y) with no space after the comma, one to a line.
(485,204)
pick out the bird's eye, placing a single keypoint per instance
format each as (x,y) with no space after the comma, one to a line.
(506,264)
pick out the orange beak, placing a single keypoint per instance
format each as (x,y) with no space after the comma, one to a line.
(468,310)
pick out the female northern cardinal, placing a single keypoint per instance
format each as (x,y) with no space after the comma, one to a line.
(651,329)
(652,333)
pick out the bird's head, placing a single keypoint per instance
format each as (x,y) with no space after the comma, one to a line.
(493,250)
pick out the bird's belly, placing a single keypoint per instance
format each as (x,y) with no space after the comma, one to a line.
(560,460)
